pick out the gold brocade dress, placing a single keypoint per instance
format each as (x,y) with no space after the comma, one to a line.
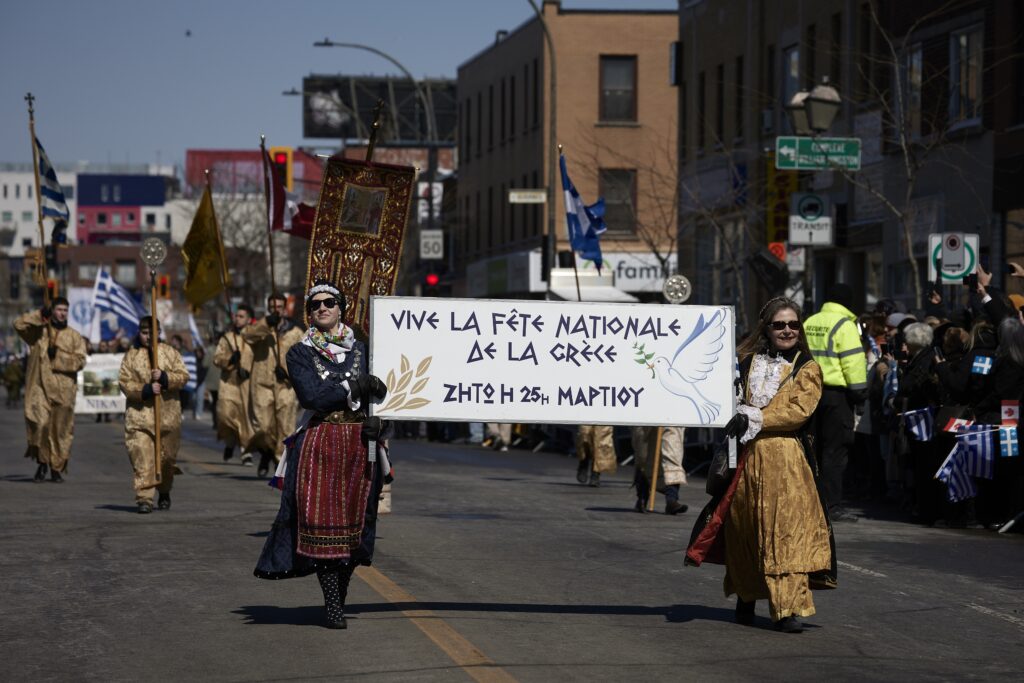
(776,529)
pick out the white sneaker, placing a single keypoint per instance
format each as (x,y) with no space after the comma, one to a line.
(246,460)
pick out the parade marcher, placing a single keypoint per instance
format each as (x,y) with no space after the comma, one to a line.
(272,399)
(595,449)
(834,340)
(14,378)
(141,383)
(328,515)
(777,540)
(670,469)
(51,383)
(234,358)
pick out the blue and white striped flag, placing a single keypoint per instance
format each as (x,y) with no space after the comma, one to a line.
(979,451)
(116,313)
(51,195)
(189,359)
(1008,446)
(952,473)
(920,423)
(197,339)
(584,223)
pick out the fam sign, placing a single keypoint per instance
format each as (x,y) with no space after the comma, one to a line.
(483,360)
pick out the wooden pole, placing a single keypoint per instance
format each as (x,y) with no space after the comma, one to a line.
(654,472)
(377,111)
(270,226)
(154,364)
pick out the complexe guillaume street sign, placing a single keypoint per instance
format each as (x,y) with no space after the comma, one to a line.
(794,153)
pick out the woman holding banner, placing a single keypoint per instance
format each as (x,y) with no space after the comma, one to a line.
(330,478)
(769,527)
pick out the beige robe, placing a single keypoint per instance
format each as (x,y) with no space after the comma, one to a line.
(597,442)
(272,403)
(776,529)
(670,470)
(233,424)
(50,388)
(139,427)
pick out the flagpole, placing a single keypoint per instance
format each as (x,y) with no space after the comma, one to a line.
(224,279)
(154,364)
(270,225)
(40,271)
(575,271)
(377,110)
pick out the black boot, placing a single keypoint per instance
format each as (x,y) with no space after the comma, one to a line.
(672,504)
(228,452)
(595,479)
(55,477)
(643,491)
(40,472)
(266,457)
(583,471)
(744,611)
(334,584)
(163,501)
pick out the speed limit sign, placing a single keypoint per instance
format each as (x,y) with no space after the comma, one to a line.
(431,245)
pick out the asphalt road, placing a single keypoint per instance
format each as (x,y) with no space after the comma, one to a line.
(493,566)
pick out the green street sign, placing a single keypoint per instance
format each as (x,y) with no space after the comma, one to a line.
(794,153)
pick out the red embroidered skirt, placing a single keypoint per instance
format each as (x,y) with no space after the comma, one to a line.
(332,489)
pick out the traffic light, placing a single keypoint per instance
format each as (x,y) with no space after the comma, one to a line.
(163,287)
(281,157)
(431,284)
(52,289)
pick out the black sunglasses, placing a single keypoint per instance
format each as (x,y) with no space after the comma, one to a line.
(779,325)
(315,304)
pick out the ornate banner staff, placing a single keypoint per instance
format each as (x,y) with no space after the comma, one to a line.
(267,189)
(154,251)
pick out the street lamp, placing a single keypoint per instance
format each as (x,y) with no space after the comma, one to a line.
(431,123)
(812,113)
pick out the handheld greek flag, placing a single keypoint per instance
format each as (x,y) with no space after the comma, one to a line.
(584,223)
(189,359)
(952,473)
(978,446)
(1008,446)
(50,193)
(920,424)
(116,313)
(197,339)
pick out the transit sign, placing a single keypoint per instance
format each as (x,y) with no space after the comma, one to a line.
(795,153)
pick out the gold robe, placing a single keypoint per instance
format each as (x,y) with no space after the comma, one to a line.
(50,388)
(272,403)
(776,529)
(233,425)
(139,428)
(597,442)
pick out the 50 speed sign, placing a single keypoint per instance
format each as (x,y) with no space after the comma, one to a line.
(431,245)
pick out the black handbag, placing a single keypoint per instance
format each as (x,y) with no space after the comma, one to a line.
(719,472)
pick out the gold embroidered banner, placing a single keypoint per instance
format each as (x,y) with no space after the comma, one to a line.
(358,232)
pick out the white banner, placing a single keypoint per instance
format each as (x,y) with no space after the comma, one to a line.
(80,310)
(98,390)
(553,362)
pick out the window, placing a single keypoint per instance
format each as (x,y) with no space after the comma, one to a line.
(618,88)
(26,242)
(738,133)
(28,191)
(1018,67)
(26,216)
(101,218)
(7,216)
(115,220)
(865,31)
(478,226)
(151,220)
(167,221)
(502,118)
(835,64)
(105,193)
(811,49)
(117,194)
(769,76)
(131,217)
(87,271)
(69,191)
(911,82)
(536,94)
(965,75)
(720,105)
(81,219)
(490,117)
(490,216)
(124,273)
(701,110)
(467,125)
(535,217)
(5,191)
(17,191)
(512,108)
(526,98)
(791,73)
(618,187)
(479,124)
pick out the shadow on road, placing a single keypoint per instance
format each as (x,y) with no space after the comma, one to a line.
(601,509)
(119,508)
(673,613)
(270,614)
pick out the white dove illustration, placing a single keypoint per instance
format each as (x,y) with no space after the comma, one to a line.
(681,375)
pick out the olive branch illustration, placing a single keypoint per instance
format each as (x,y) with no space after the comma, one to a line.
(400,390)
(642,357)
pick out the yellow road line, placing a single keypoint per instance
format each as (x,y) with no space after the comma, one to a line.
(464,653)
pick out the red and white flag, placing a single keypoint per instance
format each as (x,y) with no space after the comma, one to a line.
(283,212)
(1010,413)
(955,424)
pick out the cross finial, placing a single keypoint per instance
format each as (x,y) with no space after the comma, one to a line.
(30,98)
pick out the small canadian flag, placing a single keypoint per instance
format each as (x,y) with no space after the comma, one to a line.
(1011,413)
(955,424)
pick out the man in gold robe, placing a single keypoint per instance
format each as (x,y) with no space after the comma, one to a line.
(595,450)
(273,403)
(234,358)
(670,472)
(141,383)
(57,354)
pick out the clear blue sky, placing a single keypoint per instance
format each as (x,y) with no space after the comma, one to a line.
(118,80)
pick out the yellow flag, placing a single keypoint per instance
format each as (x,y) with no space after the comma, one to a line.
(206,273)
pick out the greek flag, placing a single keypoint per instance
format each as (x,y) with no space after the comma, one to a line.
(978,447)
(51,194)
(1008,446)
(116,313)
(920,424)
(197,339)
(584,223)
(890,387)
(189,359)
(953,474)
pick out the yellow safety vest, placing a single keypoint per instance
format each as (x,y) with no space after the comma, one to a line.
(834,339)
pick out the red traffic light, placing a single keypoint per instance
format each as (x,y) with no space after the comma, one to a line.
(433,279)
(280,158)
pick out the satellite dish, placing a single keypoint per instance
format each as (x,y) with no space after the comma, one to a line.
(677,289)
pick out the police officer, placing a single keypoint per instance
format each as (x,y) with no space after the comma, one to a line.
(834,339)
